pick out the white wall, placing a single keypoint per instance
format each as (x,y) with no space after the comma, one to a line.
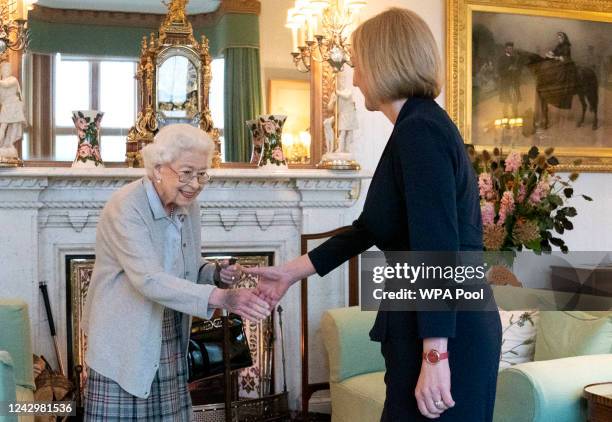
(593,225)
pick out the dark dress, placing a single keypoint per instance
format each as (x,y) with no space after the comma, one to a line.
(558,84)
(424,197)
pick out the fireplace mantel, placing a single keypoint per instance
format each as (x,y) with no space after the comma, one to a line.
(47,214)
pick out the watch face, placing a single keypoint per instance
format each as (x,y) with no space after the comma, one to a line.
(433,356)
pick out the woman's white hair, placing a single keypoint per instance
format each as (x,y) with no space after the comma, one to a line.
(171,141)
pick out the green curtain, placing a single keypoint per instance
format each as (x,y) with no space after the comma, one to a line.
(232,30)
(242,100)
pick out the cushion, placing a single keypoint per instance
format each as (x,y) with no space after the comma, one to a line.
(349,348)
(359,398)
(562,334)
(15,339)
(518,337)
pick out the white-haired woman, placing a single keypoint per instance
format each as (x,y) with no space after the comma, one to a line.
(148,278)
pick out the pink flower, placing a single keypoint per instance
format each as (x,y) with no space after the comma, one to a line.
(513,162)
(84,150)
(269,127)
(506,207)
(96,153)
(488,213)
(81,124)
(485,186)
(541,190)
(277,154)
(80,134)
(522,192)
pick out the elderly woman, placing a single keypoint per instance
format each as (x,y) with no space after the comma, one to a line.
(423,197)
(148,278)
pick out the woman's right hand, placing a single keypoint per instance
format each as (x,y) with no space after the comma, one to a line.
(273,283)
(243,302)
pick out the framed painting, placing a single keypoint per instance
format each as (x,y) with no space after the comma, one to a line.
(533,72)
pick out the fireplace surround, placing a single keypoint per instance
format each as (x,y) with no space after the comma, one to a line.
(48,214)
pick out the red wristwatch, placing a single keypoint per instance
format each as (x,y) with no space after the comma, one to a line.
(433,356)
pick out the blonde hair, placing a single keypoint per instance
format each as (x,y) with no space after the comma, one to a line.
(171,141)
(397,56)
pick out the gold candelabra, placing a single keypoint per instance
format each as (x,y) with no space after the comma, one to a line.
(321,31)
(13,25)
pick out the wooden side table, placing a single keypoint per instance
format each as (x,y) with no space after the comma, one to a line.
(599,397)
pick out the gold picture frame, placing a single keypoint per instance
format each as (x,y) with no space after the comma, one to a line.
(460,77)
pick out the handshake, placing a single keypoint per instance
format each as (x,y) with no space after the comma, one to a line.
(253,304)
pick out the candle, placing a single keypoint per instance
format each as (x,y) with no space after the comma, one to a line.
(294,39)
(310,25)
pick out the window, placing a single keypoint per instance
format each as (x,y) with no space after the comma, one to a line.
(105,85)
(109,86)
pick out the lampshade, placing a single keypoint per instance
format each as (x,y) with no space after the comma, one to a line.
(305,7)
(356,5)
(295,19)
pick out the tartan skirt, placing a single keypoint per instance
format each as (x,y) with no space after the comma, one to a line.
(169,399)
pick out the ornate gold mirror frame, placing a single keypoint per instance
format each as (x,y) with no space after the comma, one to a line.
(175,38)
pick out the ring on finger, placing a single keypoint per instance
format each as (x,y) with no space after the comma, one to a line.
(440,405)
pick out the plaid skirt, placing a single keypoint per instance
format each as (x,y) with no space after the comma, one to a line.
(169,399)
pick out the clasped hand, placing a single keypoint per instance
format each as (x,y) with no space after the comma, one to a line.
(252,304)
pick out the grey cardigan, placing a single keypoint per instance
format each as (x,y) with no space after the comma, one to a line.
(129,288)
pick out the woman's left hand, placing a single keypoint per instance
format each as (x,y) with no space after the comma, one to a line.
(230,274)
(433,392)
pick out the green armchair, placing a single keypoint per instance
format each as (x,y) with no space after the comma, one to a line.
(16,368)
(541,391)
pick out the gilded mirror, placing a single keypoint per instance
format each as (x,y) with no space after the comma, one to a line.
(177,90)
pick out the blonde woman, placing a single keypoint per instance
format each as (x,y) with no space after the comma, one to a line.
(423,197)
(148,279)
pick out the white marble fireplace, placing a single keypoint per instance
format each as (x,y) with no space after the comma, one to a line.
(49,213)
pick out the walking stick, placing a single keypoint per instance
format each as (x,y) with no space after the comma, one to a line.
(43,288)
(227,373)
(280,323)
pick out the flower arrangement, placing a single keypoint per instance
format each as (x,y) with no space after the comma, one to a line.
(523,201)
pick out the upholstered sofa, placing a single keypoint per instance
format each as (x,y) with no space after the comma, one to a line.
(16,369)
(549,389)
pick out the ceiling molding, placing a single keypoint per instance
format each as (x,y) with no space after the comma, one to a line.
(141,20)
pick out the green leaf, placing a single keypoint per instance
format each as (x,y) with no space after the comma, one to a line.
(564,249)
(559,228)
(555,200)
(571,212)
(567,224)
(588,198)
(533,152)
(568,192)
(553,161)
(556,241)
(573,177)
(577,162)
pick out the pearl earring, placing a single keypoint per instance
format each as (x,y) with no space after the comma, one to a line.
(158,180)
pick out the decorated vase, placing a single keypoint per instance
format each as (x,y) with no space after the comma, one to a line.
(257,140)
(87,124)
(271,127)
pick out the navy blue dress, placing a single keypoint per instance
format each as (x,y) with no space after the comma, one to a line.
(424,197)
